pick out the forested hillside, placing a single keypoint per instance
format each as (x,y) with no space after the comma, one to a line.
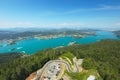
(104,56)
(7,57)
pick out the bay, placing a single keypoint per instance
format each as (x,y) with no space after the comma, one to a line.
(30,46)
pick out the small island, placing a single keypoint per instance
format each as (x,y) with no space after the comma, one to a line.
(72,43)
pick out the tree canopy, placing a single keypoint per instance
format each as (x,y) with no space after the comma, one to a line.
(104,56)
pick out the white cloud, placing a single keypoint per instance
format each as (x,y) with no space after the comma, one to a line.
(101,8)
(28,25)
(15,24)
(58,25)
(66,25)
(108,7)
(118,24)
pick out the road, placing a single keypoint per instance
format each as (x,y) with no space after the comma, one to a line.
(57,61)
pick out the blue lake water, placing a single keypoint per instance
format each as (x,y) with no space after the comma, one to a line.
(30,46)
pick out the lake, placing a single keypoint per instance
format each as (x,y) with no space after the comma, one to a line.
(30,46)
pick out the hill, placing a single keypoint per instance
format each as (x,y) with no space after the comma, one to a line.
(104,56)
(7,57)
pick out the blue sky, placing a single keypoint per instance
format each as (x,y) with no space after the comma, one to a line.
(60,13)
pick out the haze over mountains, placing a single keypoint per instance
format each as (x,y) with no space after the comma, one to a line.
(29,32)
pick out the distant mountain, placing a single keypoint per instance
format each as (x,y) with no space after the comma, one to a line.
(5,34)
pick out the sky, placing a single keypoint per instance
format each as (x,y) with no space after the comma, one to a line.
(60,14)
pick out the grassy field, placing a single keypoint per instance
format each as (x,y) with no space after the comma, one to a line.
(83,75)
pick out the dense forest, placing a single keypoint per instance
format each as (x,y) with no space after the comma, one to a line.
(7,57)
(104,56)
